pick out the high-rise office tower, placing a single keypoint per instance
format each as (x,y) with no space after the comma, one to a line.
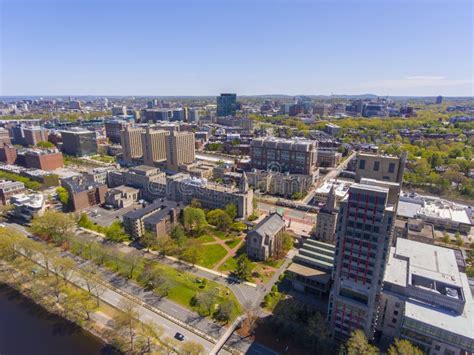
(439,100)
(226,105)
(363,239)
(154,146)
(179,149)
(79,142)
(131,139)
(193,115)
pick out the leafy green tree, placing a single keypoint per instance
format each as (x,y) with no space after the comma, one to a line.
(63,195)
(358,344)
(238,226)
(206,300)
(220,219)
(231,210)
(192,252)
(192,348)
(45,145)
(243,269)
(178,235)
(224,312)
(53,226)
(194,219)
(148,239)
(403,347)
(116,232)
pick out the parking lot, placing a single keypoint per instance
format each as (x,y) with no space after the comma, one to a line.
(106,217)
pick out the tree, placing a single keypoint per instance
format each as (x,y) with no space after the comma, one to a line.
(9,241)
(116,232)
(317,333)
(163,286)
(192,348)
(127,320)
(238,226)
(206,300)
(150,331)
(45,144)
(165,245)
(98,254)
(358,344)
(459,240)
(89,275)
(285,244)
(63,195)
(178,235)
(243,269)
(53,226)
(131,261)
(191,252)
(225,311)
(148,240)
(231,210)
(403,347)
(194,219)
(446,238)
(220,219)
(195,203)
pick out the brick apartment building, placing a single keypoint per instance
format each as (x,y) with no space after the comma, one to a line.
(47,159)
(84,193)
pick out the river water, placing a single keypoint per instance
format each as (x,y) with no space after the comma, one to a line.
(26,328)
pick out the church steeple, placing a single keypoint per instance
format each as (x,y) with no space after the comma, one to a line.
(331,201)
(244,184)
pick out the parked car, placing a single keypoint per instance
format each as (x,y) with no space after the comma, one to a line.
(179,336)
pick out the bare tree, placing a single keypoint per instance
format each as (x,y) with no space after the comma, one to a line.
(150,331)
(127,320)
(131,261)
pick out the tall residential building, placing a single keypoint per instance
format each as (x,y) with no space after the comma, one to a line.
(154,146)
(113,129)
(179,149)
(226,104)
(380,167)
(79,142)
(439,100)
(284,155)
(4,136)
(119,110)
(8,153)
(326,219)
(363,239)
(34,135)
(131,139)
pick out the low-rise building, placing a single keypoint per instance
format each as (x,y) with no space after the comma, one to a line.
(426,299)
(121,196)
(414,229)
(44,159)
(26,207)
(8,153)
(326,220)
(328,158)
(281,184)
(311,269)
(158,218)
(8,189)
(265,238)
(339,187)
(84,193)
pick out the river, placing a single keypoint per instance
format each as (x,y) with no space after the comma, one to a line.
(26,328)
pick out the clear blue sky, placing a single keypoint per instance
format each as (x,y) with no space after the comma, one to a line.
(203,47)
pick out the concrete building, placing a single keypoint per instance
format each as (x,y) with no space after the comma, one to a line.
(226,105)
(380,167)
(332,129)
(44,159)
(339,187)
(183,188)
(154,146)
(193,115)
(26,207)
(326,220)
(79,142)
(113,129)
(363,238)
(8,189)
(157,218)
(297,156)
(131,140)
(328,158)
(8,154)
(426,299)
(241,122)
(119,111)
(121,196)
(265,238)
(84,193)
(310,272)
(149,180)
(180,149)
(281,184)
(4,136)
(414,229)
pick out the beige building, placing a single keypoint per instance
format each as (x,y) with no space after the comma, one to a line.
(281,184)
(131,139)
(179,149)
(326,220)
(154,146)
(121,196)
(380,167)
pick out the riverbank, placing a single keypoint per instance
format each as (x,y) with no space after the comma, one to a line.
(29,328)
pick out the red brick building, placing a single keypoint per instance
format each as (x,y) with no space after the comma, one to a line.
(47,159)
(84,193)
(8,154)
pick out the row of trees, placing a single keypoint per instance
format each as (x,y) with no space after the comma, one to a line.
(50,284)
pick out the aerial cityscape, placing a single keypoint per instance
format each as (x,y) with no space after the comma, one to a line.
(241,177)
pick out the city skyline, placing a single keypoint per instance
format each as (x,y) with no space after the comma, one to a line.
(202,48)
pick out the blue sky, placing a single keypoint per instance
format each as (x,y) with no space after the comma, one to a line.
(203,47)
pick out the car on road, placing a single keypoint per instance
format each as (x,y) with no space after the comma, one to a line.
(179,336)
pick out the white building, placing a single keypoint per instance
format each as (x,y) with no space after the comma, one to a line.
(28,206)
(427,300)
(340,189)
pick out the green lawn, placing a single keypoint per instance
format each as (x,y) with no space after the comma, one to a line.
(274,263)
(205,238)
(211,255)
(232,243)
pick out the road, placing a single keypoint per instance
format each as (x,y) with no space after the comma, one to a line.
(114,298)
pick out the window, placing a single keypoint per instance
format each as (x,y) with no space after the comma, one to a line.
(376,165)
(391,168)
(437,348)
(362,164)
(394,320)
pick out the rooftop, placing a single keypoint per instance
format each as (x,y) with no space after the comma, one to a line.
(270,225)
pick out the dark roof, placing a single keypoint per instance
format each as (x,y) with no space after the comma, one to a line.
(159,204)
(270,225)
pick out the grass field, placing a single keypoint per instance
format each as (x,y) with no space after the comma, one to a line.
(232,243)
(212,254)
